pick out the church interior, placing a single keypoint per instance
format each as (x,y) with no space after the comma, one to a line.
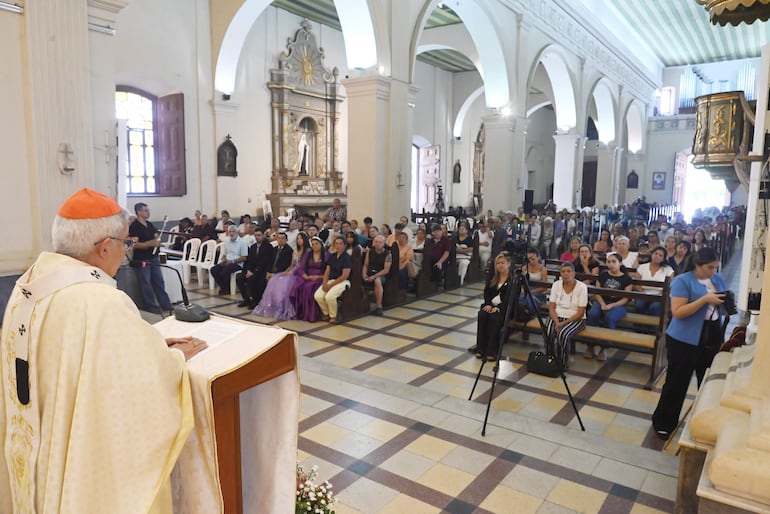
(401,108)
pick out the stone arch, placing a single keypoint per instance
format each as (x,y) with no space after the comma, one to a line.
(491,58)
(457,129)
(634,120)
(604,101)
(562,86)
(358,32)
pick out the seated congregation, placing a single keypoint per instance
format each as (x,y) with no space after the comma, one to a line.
(316,269)
(327,268)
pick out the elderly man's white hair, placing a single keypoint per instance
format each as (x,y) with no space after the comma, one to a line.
(77,237)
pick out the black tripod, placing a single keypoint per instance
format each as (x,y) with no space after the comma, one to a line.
(559,355)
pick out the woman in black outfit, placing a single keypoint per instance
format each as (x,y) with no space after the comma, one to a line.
(493,310)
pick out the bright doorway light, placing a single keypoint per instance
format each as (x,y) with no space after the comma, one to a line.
(701,192)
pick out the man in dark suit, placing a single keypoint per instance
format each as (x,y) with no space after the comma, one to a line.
(282,255)
(252,282)
(278,262)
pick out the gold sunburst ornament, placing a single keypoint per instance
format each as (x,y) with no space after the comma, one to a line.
(306,70)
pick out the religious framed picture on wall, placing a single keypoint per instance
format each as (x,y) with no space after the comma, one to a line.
(658,180)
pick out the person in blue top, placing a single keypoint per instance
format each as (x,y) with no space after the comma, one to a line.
(693,337)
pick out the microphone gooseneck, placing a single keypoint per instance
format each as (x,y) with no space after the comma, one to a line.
(189,312)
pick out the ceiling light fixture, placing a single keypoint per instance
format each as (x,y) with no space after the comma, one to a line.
(735,12)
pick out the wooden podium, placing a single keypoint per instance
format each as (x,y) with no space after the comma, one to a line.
(241,456)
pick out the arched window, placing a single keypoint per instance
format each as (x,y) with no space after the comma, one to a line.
(155,139)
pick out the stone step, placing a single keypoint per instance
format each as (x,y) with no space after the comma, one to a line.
(738,379)
(708,415)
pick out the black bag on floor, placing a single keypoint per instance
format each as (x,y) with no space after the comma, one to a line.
(542,364)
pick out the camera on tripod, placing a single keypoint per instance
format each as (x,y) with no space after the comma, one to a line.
(517,244)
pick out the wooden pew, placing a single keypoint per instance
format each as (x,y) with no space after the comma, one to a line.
(355,301)
(392,293)
(422,284)
(474,269)
(639,333)
(451,275)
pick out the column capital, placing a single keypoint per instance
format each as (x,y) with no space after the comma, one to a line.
(565,139)
(499,122)
(368,86)
(105,12)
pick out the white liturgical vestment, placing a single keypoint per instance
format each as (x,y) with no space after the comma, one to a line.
(109,407)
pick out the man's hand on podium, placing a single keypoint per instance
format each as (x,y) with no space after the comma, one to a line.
(188,345)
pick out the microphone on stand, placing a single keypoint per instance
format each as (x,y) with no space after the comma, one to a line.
(163,229)
(189,312)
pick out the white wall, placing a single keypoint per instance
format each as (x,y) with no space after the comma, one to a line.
(16,179)
(540,150)
(464,84)
(156,50)
(433,120)
(665,137)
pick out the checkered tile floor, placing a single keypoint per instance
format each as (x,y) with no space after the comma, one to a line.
(385,415)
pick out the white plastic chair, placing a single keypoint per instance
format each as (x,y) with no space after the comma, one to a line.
(233,282)
(203,259)
(451,223)
(207,264)
(189,255)
(167,240)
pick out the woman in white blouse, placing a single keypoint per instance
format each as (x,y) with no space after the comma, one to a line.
(567,312)
(657,270)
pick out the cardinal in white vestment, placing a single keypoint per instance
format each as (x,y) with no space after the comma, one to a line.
(94,403)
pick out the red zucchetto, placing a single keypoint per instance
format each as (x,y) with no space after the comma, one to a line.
(88,204)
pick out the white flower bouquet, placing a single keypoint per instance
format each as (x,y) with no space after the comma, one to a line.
(312,498)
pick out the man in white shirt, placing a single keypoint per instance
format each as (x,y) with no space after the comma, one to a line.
(291,234)
(233,255)
(248,235)
(222,224)
(533,230)
(407,229)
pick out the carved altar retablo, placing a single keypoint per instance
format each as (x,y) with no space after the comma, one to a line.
(305,117)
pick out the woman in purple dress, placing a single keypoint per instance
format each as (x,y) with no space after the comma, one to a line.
(310,274)
(277,299)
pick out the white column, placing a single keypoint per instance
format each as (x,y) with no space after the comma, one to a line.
(567,183)
(607,174)
(379,165)
(502,187)
(59,105)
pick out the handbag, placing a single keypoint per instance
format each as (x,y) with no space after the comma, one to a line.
(542,364)
(412,269)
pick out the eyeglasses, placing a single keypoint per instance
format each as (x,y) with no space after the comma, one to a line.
(127,243)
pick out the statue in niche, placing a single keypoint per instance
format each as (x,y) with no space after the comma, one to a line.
(456,172)
(302,149)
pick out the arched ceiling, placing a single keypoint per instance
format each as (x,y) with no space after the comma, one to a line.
(324,11)
(675,32)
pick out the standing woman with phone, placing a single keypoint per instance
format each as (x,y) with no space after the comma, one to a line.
(694,336)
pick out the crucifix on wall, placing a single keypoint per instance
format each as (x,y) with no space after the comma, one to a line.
(66,158)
